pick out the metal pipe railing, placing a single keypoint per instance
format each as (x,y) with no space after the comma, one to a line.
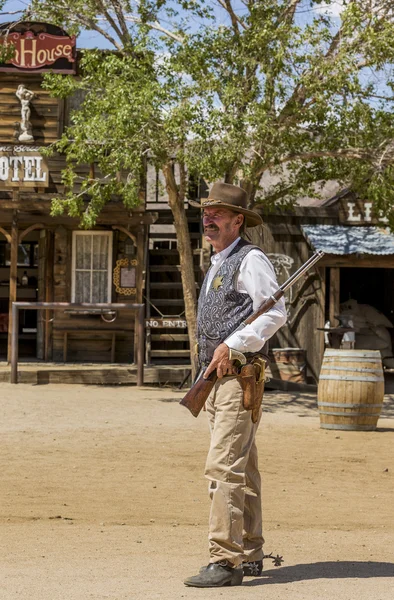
(139,327)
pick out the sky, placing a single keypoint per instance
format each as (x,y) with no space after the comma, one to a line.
(91,39)
(87,39)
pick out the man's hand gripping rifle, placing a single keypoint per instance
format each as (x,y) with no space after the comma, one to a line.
(199,392)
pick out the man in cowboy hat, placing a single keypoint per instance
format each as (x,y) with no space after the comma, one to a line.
(238,281)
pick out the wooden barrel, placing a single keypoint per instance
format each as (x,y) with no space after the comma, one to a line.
(351,389)
(288,364)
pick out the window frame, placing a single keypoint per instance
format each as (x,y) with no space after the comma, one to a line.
(108,234)
(5,251)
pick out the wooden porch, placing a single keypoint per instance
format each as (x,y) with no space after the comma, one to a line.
(94,374)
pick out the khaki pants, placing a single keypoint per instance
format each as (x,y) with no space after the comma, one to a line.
(235,523)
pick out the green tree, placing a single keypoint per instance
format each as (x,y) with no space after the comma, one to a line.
(298,95)
(136,108)
(239,89)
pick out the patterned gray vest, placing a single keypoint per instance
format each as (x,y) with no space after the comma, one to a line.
(222,309)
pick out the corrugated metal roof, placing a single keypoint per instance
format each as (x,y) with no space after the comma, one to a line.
(339,239)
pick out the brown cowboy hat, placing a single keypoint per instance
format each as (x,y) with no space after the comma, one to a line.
(232,197)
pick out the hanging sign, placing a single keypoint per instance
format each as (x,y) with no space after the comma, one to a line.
(168,323)
(36,49)
(124,276)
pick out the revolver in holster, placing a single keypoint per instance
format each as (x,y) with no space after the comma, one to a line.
(251,377)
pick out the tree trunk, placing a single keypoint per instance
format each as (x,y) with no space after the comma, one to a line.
(250,188)
(176,203)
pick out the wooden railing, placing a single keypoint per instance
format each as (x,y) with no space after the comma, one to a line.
(139,327)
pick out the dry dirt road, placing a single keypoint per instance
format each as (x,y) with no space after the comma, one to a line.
(102,497)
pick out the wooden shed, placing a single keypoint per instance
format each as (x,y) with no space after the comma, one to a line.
(358,264)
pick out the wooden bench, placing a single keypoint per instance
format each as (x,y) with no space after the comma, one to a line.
(112,332)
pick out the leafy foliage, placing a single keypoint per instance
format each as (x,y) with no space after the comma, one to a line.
(305,101)
(277,95)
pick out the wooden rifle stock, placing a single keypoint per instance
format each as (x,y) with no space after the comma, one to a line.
(200,390)
(198,393)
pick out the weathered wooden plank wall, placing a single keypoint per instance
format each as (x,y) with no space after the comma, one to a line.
(306,300)
(91,336)
(44,109)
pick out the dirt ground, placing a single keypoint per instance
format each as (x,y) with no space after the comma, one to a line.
(102,496)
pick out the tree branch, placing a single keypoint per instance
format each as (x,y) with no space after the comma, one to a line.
(156,25)
(235,21)
(87,22)
(299,94)
(90,24)
(356,153)
(380,97)
(12,12)
(277,195)
(288,13)
(110,19)
(121,18)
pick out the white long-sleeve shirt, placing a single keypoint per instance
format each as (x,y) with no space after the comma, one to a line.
(256,278)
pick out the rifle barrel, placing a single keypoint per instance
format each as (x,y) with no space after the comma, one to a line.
(309,263)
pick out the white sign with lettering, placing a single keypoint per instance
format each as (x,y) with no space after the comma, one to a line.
(360,213)
(168,323)
(23,170)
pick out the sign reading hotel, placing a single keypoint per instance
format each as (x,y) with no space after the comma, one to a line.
(37,50)
(23,168)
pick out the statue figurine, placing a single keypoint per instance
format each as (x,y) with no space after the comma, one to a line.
(25,96)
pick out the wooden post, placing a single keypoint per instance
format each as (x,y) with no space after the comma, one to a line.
(321,315)
(140,349)
(41,295)
(334,296)
(13,277)
(139,296)
(49,262)
(148,334)
(14,345)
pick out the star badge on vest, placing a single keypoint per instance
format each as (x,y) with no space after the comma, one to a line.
(217,282)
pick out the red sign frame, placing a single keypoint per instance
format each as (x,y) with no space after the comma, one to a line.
(38,53)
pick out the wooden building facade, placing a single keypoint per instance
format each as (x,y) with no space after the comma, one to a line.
(132,256)
(358,265)
(45,258)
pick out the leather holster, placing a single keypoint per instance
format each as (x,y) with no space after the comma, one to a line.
(252,382)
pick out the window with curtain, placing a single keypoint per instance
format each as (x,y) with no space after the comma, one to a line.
(92,266)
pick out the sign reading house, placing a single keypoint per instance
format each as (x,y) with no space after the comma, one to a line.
(38,47)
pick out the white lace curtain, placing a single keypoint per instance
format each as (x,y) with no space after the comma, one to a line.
(92,265)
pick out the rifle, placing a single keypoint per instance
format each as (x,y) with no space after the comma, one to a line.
(200,390)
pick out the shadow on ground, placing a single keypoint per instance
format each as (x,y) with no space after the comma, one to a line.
(324,570)
(305,405)
(301,404)
(388,407)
